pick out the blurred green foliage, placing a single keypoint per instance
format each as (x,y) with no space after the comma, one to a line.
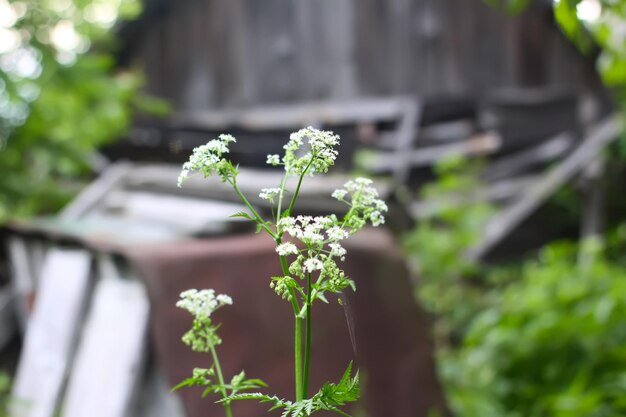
(591,25)
(544,337)
(552,343)
(449,286)
(60,96)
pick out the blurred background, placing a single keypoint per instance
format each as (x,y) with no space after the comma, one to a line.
(493,130)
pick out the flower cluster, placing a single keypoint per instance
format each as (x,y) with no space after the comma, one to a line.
(318,153)
(269,193)
(364,204)
(202,303)
(209,159)
(273,160)
(321,237)
(314,232)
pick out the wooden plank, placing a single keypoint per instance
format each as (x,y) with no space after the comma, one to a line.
(544,152)
(95,192)
(499,227)
(8,325)
(51,333)
(315,195)
(594,204)
(295,115)
(112,349)
(22,279)
(200,216)
(478,145)
(407,131)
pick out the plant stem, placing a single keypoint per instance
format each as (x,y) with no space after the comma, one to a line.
(220,378)
(295,195)
(298,358)
(279,208)
(297,345)
(307,346)
(256,215)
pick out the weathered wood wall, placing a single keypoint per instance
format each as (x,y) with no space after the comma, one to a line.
(214,53)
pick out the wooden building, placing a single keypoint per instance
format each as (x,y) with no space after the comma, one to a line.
(208,54)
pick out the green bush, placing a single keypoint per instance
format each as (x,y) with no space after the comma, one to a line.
(552,344)
(543,337)
(60,96)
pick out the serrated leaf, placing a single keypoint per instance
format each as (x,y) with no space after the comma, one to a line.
(189,382)
(242,214)
(255,381)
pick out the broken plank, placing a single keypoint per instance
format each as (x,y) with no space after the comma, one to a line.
(499,227)
(421,157)
(112,349)
(22,278)
(521,161)
(51,333)
(91,196)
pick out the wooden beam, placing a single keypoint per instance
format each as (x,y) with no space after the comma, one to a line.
(91,196)
(427,156)
(499,227)
(112,349)
(51,334)
(517,163)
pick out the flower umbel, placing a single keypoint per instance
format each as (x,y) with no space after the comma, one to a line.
(364,203)
(202,303)
(208,159)
(316,148)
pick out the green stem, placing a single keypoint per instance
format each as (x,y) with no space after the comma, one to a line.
(220,379)
(297,343)
(307,347)
(280,198)
(298,359)
(256,215)
(295,195)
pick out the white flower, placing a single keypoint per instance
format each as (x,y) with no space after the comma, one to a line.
(208,159)
(313,264)
(224,299)
(339,194)
(319,156)
(286,248)
(269,193)
(273,160)
(336,233)
(377,218)
(364,202)
(202,303)
(337,250)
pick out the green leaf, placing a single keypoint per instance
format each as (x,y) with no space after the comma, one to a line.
(242,214)
(189,382)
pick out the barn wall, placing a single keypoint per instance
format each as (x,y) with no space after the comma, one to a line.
(221,53)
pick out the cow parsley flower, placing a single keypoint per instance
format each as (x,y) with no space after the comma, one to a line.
(313,264)
(269,193)
(312,148)
(364,203)
(337,250)
(273,160)
(287,248)
(336,233)
(208,159)
(202,303)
